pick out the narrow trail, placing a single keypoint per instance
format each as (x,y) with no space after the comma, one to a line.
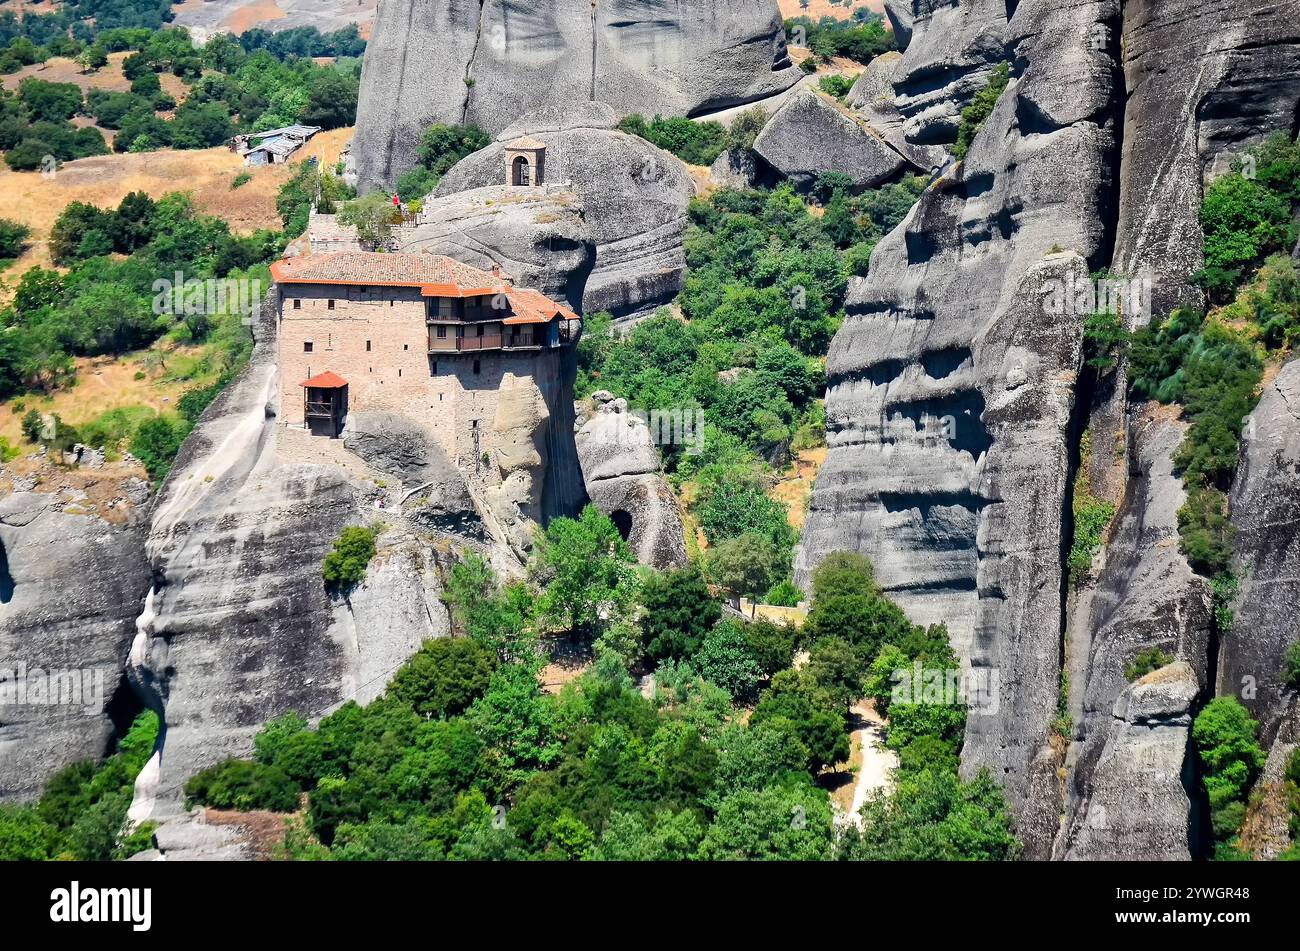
(877,765)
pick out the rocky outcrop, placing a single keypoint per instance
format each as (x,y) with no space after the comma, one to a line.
(487,62)
(1265,509)
(398,446)
(899,14)
(44,554)
(812,134)
(951,50)
(873,99)
(951,384)
(620,467)
(538,236)
(734,168)
(1128,793)
(1203,82)
(238,627)
(633,196)
(1135,804)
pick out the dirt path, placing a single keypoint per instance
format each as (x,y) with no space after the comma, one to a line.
(875,763)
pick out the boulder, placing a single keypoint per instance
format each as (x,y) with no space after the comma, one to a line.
(487,62)
(813,133)
(538,237)
(873,99)
(734,168)
(633,195)
(899,14)
(621,470)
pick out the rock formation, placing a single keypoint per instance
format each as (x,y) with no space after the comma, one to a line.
(633,198)
(537,236)
(951,384)
(620,466)
(238,626)
(491,61)
(1135,804)
(1265,508)
(1130,794)
(812,133)
(44,550)
(1203,83)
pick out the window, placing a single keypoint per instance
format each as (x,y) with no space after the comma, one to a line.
(433,369)
(367,346)
(480,330)
(399,371)
(297,303)
(406,346)
(442,330)
(331,303)
(306,346)
(476,369)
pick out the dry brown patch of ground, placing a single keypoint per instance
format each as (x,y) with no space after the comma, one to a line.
(61,69)
(817,9)
(794,488)
(105,180)
(262,831)
(257,13)
(103,383)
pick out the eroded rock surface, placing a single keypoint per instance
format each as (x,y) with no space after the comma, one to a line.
(1130,767)
(1135,804)
(538,236)
(487,62)
(70,588)
(633,195)
(620,466)
(1265,509)
(951,386)
(812,134)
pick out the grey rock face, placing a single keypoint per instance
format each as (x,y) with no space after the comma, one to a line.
(538,236)
(1146,596)
(951,385)
(1135,803)
(952,48)
(1195,98)
(239,627)
(873,99)
(812,133)
(899,14)
(490,62)
(620,467)
(72,586)
(633,195)
(1265,509)
(734,169)
(396,445)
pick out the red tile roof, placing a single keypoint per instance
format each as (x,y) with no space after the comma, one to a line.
(529,306)
(325,381)
(436,275)
(451,278)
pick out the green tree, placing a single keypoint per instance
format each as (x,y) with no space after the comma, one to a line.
(585,570)
(345,564)
(444,677)
(679,612)
(726,659)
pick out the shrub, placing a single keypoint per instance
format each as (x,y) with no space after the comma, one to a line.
(444,677)
(1291,666)
(697,143)
(679,611)
(13,238)
(156,443)
(1230,757)
(345,565)
(243,785)
(1153,658)
(836,85)
(981,107)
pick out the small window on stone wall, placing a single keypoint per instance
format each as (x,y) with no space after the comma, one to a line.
(367,346)
(306,346)
(297,303)
(476,367)
(331,303)
(406,346)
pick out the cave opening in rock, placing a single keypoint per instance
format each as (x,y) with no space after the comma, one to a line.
(623,522)
(6,579)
